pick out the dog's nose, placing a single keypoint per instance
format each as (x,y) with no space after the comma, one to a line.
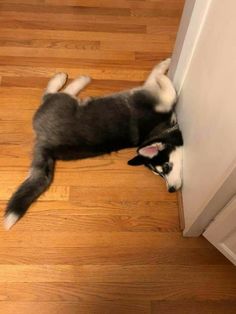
(171,189)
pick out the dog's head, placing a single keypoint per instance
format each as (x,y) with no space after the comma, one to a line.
(161,152)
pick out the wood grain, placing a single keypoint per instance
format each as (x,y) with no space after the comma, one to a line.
(105,238)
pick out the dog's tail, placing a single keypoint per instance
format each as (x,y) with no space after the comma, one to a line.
(39,179)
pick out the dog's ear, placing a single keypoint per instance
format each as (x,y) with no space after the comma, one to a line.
(145,153)
(150,151)
(136,161)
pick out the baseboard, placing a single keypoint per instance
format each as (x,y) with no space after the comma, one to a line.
(181,210)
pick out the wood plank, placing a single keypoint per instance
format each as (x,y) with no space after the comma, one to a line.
(193,307)
(111,256)
(114,273)
(58,65)
(162,210)
(72,19)
(121,4)
(67,25)
(82,307)
(69,53)
(97,86)
(70,239)
(24,34)
(56,44)
(96,223)
(150,187)
(23,153)
(83,10)
(60,193)
(158,291)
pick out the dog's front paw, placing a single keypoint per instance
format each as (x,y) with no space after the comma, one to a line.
(60,77)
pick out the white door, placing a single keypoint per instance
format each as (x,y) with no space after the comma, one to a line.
(203,70)
(222,231)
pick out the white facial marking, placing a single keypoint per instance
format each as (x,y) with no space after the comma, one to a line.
(174,177)
(10,220)
(159,169)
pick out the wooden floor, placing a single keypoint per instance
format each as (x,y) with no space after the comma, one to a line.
(105,238)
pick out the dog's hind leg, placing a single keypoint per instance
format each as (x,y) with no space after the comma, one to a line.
(161,87)
(77,85)
(166,94)
(56,83)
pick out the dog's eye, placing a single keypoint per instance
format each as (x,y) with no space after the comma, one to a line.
(167,167)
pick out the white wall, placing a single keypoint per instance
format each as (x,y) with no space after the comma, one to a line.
(207,110)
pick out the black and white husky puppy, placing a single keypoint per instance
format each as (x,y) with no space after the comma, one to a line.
(68,128)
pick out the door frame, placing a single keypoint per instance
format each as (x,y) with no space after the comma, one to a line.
(223,229)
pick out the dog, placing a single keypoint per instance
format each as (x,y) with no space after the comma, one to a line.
(69,128)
